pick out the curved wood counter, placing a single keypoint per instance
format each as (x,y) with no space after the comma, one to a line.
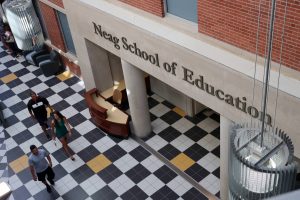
(106,116)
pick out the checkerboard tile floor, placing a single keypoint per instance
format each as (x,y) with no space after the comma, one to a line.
(190,143)
(105,167)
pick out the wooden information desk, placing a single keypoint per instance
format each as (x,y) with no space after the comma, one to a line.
(109,92)
(107,117)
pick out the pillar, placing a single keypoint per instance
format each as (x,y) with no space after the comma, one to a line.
(137,99)
(225,125)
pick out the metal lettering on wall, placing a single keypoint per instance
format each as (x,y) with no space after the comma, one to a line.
(188,75)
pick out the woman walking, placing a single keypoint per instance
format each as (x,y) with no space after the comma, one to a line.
(62,128)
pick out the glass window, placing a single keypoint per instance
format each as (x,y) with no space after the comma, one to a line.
(64,26)
(186,9)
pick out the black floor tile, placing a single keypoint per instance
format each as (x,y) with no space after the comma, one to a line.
(33,82)
(76,119)
(44,195)
(195,133)
(22,136)
(215,117)
(14,153)
(197,172)
(53,81)
(88,153)
(29,122)
(82,173)
(165,174)
(21,72)
(140,154)
(114,153)
(169,134)
(11,120)
(134,193)
(105,193)
(25,94)
(7,94)
(47,93)
(216,151)
(171,117)
(61,105)
(216,132)
(137,173)
(66,93)
(24,176)
(169,151)
(197,118)
(217,172)
(4,72)
(194,194)
(10,63)
(71,81)
(168,104)
(14,83)
(37,72)
(21,193)
(75,193)
(59,171)
(18,107)
(94,135)
(164,193)
(59,155)
(80,106)
(152,102)
(110,173)
(196,152)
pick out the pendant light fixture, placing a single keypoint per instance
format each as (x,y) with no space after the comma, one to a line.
(24,23)
(261,157)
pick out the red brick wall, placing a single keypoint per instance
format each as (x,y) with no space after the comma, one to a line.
(235,22)
(155,7)
(52,26)
(58,2)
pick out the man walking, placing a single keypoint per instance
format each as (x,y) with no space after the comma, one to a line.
(39,167)
(37,109)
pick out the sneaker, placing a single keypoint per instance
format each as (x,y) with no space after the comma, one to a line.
(49,190)
(51,182)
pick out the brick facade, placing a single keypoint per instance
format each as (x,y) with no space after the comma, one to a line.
(58,3)
(235,22)
(155,7)
(52,26)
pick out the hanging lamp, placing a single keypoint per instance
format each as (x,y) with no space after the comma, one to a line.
(24,24)
(261,157)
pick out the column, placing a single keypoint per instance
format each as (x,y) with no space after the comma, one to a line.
(225,125)
(137,98)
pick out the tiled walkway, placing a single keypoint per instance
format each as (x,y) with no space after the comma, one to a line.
(105,167)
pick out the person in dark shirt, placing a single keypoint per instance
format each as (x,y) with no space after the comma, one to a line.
(37,109)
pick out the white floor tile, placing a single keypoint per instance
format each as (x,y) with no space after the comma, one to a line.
(182,143)
(126,163)
(159,110)
(208,125)
(183,125)
(156,142)
(104,144)
(158,125)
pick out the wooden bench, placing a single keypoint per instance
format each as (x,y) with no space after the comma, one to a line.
(107,117)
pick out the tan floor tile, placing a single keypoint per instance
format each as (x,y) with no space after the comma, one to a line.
(179,111)
(8,78)
(99,163)
(65,75)
(19,164)
(182,161)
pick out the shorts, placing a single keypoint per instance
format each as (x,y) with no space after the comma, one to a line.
(43,122)
(42,175)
